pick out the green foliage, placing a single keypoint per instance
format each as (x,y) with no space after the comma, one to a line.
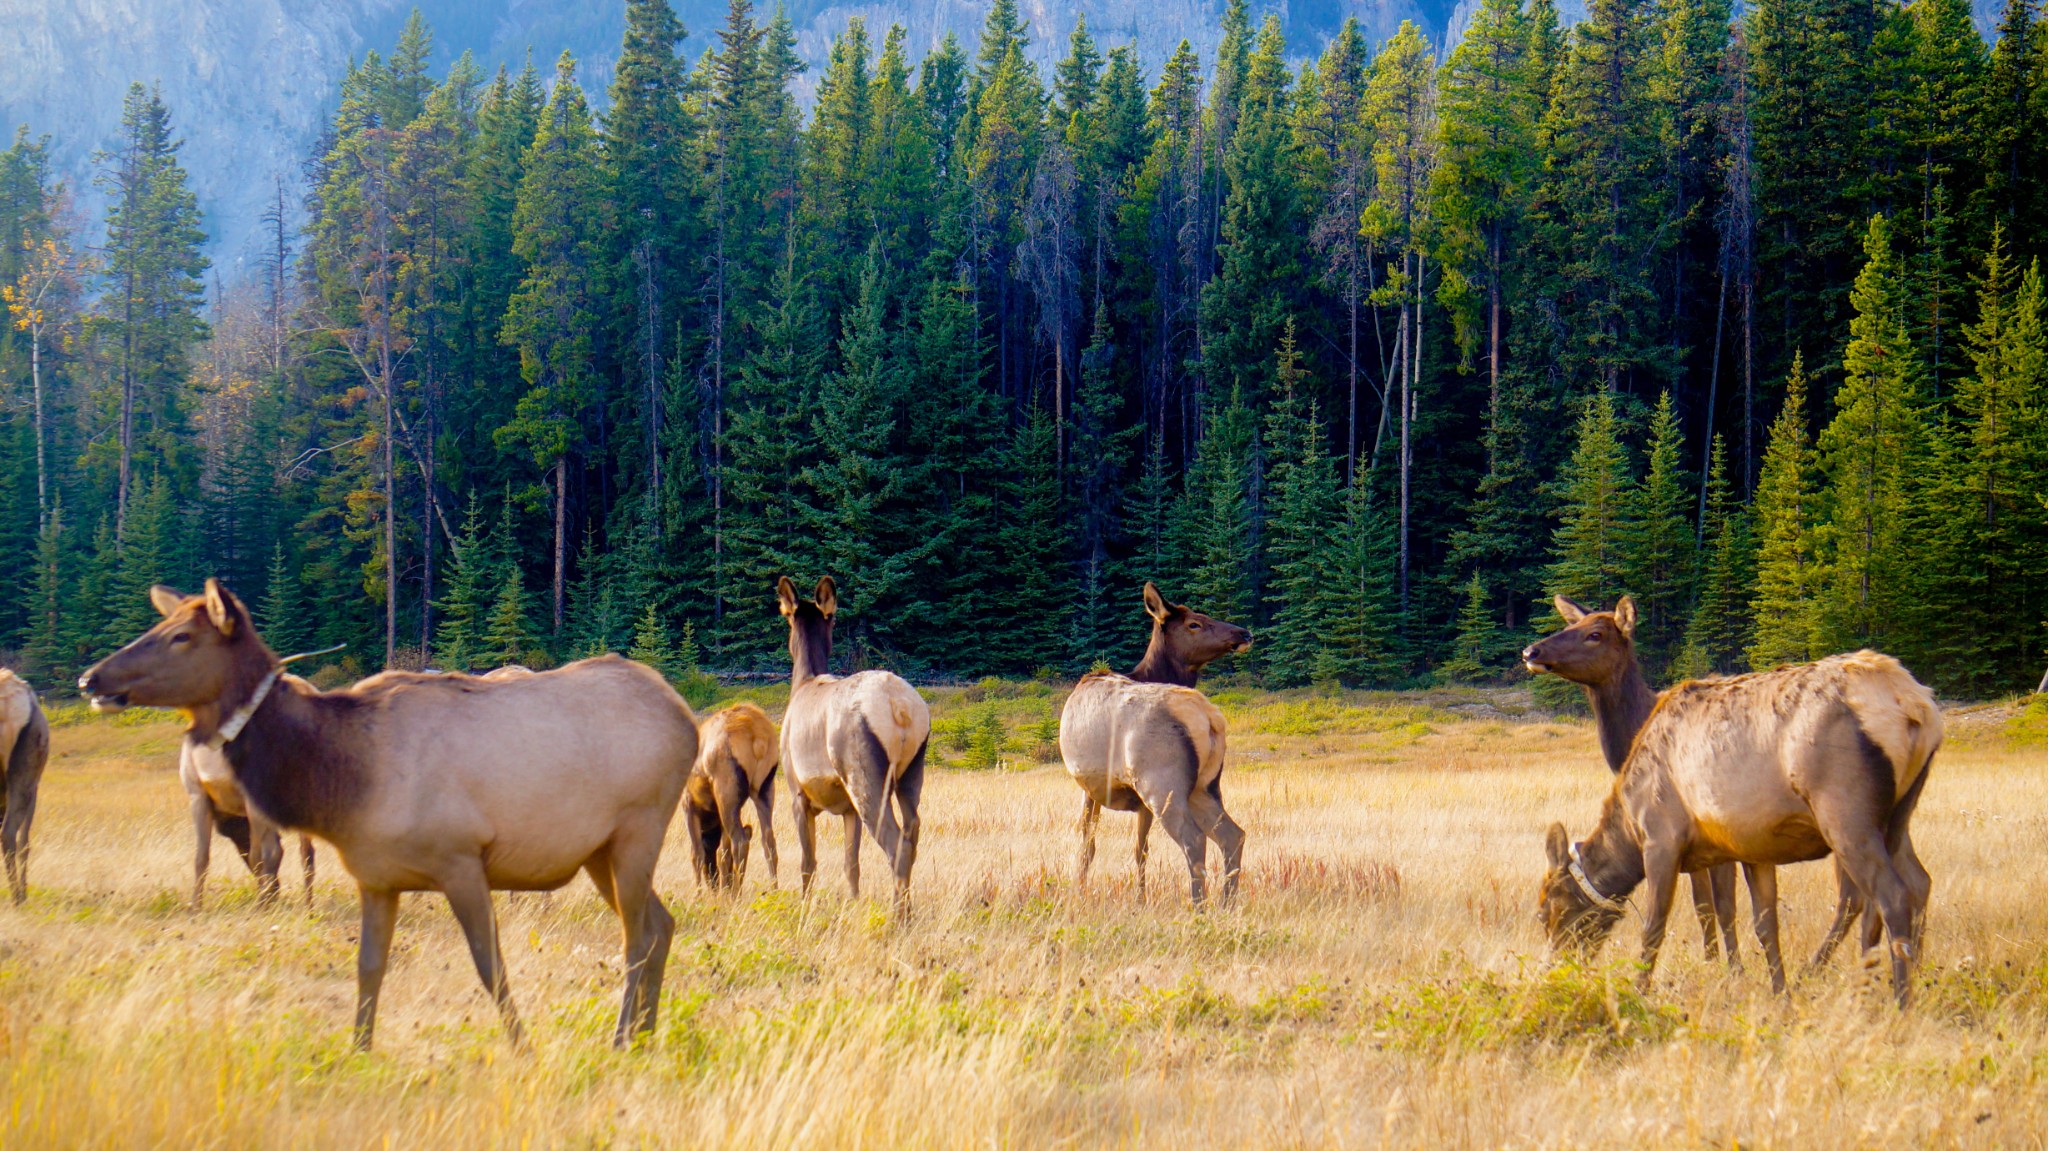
(1476,648)
(1788,571)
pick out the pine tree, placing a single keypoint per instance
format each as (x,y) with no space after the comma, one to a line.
(1213,521)
(1658,543)
(46,651)
(1591,561)
(1305,510)
(1789,574)
(1477,643)
(283,615)
(1870,457)
(473,580)
(1363,645)
(1720,631)
(509,636)
(1031,568)
(653,646)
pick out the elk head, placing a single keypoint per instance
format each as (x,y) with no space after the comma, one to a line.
(203,647)
(810,626)
(1184,641)
(1595,647)
(1575,919)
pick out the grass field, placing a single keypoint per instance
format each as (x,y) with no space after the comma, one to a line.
(1382,981)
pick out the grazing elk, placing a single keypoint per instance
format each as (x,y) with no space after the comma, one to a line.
(217,805)
(737,755)
(1149,742)
(449,783)
(1597,651)
(1770,768)
(850,745)
(24,750)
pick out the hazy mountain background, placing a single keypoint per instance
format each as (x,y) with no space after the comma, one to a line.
(250,82)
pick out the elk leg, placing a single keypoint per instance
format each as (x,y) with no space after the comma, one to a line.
(1724,913)
(1182,827)
(469,897)
(373,955)
(1091,813)
(764,814)
(868,772)
(1863,856)
(1661,876)
(202,845)
(909,791)
(21,811)
(267,844)
(1144,846)
(806,818)
(24,766)
(648,928)
(729,786)
(1848,905)
(693,826)
(306,865)
(1703,910)
(1763,908)
(1919,884)
(1206,805)
(852,821)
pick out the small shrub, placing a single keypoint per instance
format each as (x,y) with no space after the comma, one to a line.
(1564,1006)
(1045,738)
(986,740)
(2030,727)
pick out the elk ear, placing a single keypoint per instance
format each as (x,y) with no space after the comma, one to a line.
(1625,616)
(827,597)
(1571,612)
(221,607)
(166,600)
(1155,604)
(785,595)
(1557,845)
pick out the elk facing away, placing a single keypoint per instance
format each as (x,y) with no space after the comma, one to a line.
(850,744)
(24,749)
(1775,767)
(736,760)
(1149,742)
(448,783)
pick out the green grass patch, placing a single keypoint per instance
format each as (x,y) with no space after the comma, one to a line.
(2030,727)
(1598,1008)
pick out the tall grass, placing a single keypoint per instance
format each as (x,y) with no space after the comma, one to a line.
(1381,983)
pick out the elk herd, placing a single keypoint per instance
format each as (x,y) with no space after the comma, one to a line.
(517,780)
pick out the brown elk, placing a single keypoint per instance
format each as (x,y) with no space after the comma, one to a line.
(1597,651)
(1765,769)
(449,783)
(24,750)
(217,805)
(850,744)
(1148,742)
(737,755)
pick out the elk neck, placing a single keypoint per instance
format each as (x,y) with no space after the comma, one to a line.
(297,758)
(1611,856)
(1621,705)
(810,650)
(1162,665)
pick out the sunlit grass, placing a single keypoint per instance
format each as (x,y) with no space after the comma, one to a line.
(1381,981)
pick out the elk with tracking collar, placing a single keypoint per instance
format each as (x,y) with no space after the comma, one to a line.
(449,783)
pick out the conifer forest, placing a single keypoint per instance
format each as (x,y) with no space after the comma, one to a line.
(1370,347)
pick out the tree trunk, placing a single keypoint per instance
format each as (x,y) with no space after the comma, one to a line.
(1713,395)
(1402,366)
(1748,386)
(390,517)
(1351,392)
(561,534)
(35,360)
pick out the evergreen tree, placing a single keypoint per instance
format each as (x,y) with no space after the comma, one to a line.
(1031,578)
(1719,631)
(46,650)
(1213,521)
(508,635)
(1305,506)
(284,615)
(1658,543)
(473,580)
(1477,643)
(1591,557)
(1789,574)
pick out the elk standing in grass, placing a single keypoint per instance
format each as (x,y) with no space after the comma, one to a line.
(449,783)
(1597,651)
(850,744)
(737,755)
(1149,742)
(24,750)
(217,805)
(1764,769)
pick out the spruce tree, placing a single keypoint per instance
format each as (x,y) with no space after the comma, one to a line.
(1031,577)
(1477,643)
(1590,564)
(1789,575)
(508,634)
(1658,543)
(1304,503)
(468,594)
(283,615)
(46,650)
(1719,631)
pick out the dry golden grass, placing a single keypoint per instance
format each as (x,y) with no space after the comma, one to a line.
(1381,983)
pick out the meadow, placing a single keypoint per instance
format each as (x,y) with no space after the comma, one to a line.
(1382,982)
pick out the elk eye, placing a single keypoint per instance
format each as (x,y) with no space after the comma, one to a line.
(1592,637)
(179,638)
(1194,627)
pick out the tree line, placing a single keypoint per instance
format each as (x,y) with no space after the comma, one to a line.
(1372,350)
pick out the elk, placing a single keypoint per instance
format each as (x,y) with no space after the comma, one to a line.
(1597,651)
(850,744)
(737,755)
(1764,769)
(24,750)
(437,782)
(1148,742)
(217,805)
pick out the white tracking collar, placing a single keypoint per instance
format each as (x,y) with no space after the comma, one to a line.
(1577,867)
(227,732)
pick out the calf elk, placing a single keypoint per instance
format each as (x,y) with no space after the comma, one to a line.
(1149,742)
(851,745)
(449,783)
(736,760)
